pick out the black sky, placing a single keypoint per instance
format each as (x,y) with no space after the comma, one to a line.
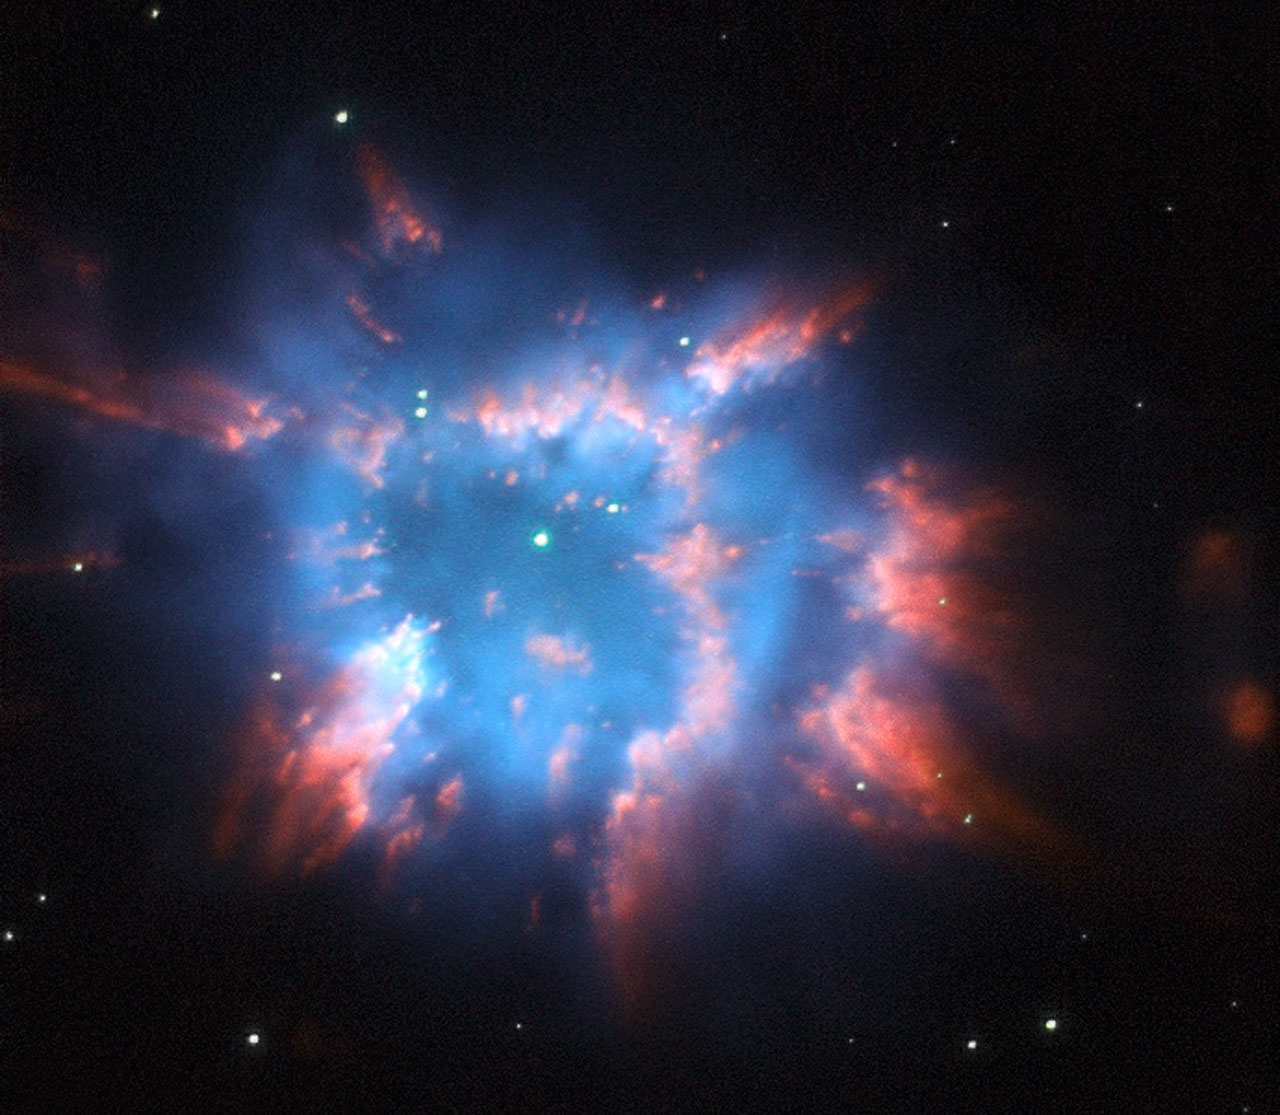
(1075,212)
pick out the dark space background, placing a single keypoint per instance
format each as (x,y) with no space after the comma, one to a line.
(1075,211)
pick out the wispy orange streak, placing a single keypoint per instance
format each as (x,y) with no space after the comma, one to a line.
(448,802)
(690,565)
(330,545)
(405,831)
(594,400)
(363,444)
(948,576)
(364,315)
(305,783)
(399,222)
(758,352)
(898,744)
(651,864)
(560,763)
(893,767)
(557,653)
(644,881)
(543,414)
(194,405)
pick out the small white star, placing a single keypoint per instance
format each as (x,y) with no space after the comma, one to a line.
(8,935)
(684,342)
(42,898)
(154,13)
(946,224)
(253,1038)
(77,567)
(860,786)
(971,1044)
(1050,1024)
(341,116)
(968,818)
(276,675)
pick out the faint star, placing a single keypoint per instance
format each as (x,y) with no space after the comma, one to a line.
(341,116)
(971,1044)
(1050,1024)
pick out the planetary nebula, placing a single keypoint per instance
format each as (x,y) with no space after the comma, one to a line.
(576,555)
